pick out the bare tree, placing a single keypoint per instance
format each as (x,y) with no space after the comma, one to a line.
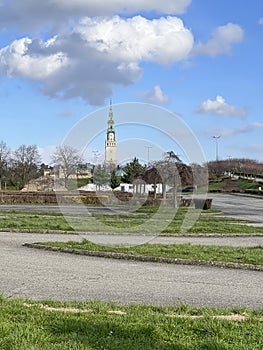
(66,160)
(4,160)
(24,164)
(171,156)
(248,168)
(170,171)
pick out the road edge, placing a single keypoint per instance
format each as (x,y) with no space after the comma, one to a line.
(47,231)
(146,258)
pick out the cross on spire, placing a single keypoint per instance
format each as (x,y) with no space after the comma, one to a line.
(110,120)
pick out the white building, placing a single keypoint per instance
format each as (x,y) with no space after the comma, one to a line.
(141,188)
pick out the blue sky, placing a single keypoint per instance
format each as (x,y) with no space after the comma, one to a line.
(62,60)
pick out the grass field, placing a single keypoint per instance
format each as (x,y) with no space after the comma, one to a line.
(208,222)
(251,255)
(26,325)
(247,185)
(51,325)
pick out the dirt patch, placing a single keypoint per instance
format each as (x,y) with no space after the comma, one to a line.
(117,312)
(72,309)
(60,309)
(234,317)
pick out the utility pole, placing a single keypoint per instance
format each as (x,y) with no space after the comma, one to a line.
(148,153)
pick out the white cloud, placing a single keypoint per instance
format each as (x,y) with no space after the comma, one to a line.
(260,21)
(97,54)
(163,40)
(155,96)
(28,14)
(249,128)
(15,60)
(229,132)
(258,148)
(221,108)
(102,7)
(220,41)
(250,151)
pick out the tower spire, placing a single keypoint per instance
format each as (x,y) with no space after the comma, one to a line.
(110,120)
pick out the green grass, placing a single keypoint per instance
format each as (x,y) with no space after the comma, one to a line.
(206,223)
(247,185)
(215,186)
(214,224)
(35,222)
(27,325)
(242,184)
(250,255)
(164,221)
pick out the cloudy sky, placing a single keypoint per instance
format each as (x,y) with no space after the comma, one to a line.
(61,60)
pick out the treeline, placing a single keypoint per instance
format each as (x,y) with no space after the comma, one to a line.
(242,167)
(19,166)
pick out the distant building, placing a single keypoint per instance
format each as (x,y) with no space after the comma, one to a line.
(110,144)
(48,172)
(85,171)
(140,188)
(43,183)
(82,171)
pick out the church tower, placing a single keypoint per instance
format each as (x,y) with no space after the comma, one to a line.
(110,143)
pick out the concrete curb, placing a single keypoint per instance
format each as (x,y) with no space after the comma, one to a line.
(82,233)
(146,258)
(41,231)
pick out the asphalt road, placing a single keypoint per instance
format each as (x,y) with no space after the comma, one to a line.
(39,275)
(235,205)
(239,206)
(134,240)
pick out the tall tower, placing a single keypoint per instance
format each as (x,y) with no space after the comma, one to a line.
(110,143)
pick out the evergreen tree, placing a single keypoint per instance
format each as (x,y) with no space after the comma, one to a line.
(114,180)
(133,170)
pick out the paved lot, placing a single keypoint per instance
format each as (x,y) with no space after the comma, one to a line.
(16,239)
(221,241)
(236,205)
(239,206)
(38,274)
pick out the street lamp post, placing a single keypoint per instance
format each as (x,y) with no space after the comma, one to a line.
(229,166)
(217,170)
(216,139)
